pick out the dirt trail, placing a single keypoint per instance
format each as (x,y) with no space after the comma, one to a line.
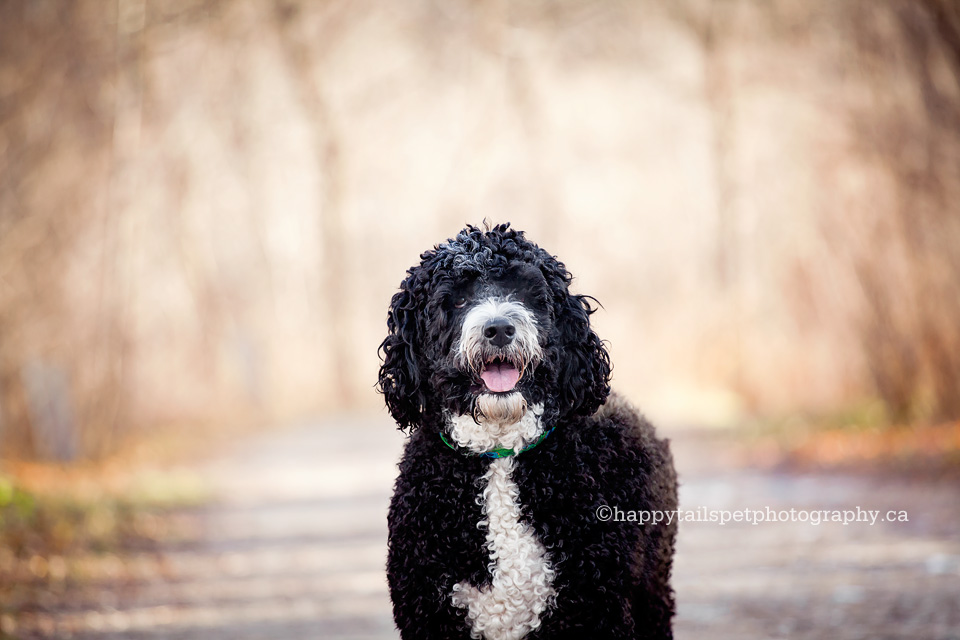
(888,580)
(295,549)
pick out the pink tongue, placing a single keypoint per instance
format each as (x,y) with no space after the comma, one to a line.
(500,377)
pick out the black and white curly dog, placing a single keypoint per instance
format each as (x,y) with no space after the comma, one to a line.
(515,444)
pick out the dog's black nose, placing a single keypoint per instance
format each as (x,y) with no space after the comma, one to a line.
(499,331)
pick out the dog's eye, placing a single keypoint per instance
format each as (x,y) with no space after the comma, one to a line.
(460,302)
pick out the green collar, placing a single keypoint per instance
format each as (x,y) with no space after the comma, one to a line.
(500,453)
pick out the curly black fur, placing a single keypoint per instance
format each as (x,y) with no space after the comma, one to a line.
(612,578)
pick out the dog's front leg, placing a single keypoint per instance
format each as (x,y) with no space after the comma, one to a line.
(434,542)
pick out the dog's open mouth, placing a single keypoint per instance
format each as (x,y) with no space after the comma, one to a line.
(500,375)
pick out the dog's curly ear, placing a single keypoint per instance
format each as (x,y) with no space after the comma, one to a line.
(583,376)
(401,381)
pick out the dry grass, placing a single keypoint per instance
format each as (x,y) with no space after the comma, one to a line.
(852,445)
(55,540)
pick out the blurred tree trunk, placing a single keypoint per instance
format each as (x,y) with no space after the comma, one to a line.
(336,292)
(716,27)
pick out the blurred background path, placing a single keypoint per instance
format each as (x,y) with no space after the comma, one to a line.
(294,548)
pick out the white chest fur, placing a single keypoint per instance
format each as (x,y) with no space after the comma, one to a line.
(489,434)
(522,585)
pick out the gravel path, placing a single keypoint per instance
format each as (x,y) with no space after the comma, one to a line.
(295,549)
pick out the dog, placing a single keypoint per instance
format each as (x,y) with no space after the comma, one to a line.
(516,448)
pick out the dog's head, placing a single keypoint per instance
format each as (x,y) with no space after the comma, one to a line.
(486,326)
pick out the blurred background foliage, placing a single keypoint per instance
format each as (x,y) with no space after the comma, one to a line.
(205,206)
